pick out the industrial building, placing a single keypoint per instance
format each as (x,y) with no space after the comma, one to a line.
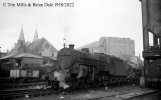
(123,48)
(119,47)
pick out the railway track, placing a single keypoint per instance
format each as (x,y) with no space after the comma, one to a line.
(17,93)
(28,90)
(32,92)
(21,85)
(120,96)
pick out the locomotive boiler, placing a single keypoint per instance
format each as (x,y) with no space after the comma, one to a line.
(84,69)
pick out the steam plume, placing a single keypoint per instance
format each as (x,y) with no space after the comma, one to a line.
(61,78)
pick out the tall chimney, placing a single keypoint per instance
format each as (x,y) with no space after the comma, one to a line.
(71,46)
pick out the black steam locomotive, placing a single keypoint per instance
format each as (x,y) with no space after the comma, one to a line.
(77,69)
(84,69)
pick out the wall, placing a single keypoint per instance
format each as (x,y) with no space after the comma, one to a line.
(32,61)
(117,46)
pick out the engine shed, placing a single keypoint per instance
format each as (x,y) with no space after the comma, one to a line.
(151,16)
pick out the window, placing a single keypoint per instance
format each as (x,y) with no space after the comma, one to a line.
(52,54)
(47,45)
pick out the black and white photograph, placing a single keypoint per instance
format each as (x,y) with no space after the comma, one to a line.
(80,49)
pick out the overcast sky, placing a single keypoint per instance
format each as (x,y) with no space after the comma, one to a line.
(84,23)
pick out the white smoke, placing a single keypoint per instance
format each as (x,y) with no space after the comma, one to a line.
(61,78)
(65,23)
(63,85)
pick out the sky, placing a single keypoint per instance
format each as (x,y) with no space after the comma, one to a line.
(82,24)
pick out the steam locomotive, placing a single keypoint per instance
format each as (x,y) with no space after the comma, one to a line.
(84,69)
(77,69)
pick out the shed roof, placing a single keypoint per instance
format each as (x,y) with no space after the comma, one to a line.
(27,55)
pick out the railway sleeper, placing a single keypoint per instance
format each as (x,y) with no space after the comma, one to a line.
(39,93)
(25,94)
(12,95)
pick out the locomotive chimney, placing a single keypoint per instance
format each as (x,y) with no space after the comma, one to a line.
(71,46)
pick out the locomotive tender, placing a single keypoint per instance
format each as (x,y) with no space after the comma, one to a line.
(84,69)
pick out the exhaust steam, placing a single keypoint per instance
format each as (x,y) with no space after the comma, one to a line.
(60,76)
